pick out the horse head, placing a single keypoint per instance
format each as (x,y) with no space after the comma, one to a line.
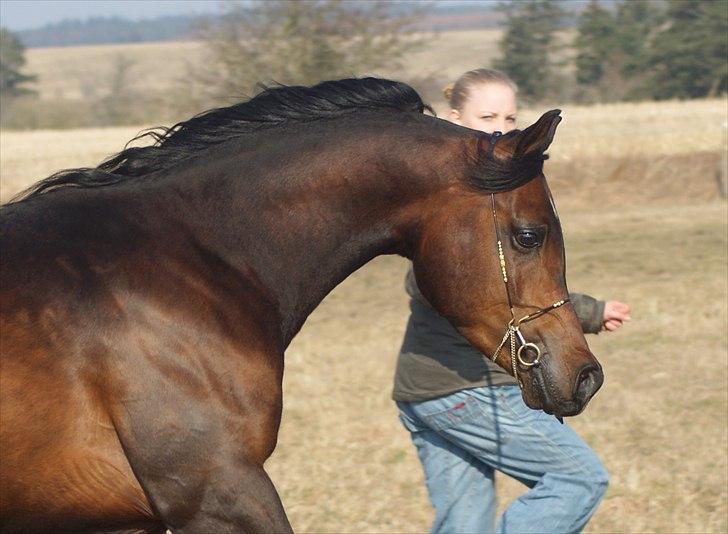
(490,257)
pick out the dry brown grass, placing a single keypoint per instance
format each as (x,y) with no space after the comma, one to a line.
(644,233)
(161,81)
(85,71)
(637,129)
(26,157)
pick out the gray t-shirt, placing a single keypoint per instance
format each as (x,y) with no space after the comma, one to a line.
(436,360)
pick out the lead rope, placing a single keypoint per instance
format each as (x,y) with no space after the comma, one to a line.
(513,331)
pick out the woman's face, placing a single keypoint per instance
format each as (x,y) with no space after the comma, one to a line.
(490,107)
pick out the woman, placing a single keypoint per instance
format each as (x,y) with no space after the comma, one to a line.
(466,415)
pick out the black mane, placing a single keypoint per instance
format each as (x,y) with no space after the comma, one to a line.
(273,106)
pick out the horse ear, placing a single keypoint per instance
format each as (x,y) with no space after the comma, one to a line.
(537,137)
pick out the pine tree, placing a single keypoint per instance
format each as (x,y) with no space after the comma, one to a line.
(636,25)
(302,42)
(689,57)
(12,60)
(528,45)
(595,43)
(612,49)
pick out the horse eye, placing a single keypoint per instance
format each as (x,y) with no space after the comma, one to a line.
(527,239)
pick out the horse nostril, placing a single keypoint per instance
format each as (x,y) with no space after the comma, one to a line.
(588,382)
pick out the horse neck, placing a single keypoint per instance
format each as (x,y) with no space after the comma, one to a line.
(322,209)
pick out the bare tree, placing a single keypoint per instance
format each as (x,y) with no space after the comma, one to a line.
(116,106)
(302,42)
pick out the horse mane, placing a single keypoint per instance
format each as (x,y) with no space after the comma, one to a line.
(273,106)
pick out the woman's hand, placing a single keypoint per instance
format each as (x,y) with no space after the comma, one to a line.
(615,315)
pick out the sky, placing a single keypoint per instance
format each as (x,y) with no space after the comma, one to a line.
(27,14)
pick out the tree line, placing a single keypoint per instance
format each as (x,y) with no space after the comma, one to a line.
(108,30)
(618,51)
(116,29)
(633,50)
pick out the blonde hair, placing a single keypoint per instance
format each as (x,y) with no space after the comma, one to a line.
(457,93)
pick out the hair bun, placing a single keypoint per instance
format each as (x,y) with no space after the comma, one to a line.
(447,91)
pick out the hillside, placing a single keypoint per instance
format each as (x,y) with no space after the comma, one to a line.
(75,73)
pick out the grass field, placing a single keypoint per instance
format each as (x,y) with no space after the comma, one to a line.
(160,82)
(637,194)
(155,67)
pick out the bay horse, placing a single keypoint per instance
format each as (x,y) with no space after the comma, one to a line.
(147,302)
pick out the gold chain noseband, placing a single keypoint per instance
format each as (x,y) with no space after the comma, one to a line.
(513,331)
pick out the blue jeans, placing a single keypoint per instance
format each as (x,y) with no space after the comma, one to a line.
(462,438)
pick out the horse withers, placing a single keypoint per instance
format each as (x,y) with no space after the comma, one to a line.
(146,304)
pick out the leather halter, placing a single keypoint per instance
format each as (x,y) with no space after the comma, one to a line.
(513,331)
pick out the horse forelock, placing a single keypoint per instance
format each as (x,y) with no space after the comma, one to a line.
(497,175)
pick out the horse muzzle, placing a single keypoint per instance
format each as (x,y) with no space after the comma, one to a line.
(542,390)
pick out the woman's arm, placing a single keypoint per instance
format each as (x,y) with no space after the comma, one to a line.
(597,315)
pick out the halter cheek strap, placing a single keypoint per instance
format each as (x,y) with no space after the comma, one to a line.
(513,332)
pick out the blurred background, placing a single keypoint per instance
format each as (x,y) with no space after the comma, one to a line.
(638,171)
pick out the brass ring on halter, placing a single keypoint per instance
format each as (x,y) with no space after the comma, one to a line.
(529,346)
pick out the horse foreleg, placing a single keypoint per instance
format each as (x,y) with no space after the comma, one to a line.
(243,500)
(199,481)
(200,460)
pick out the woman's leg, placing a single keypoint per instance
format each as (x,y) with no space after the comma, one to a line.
(566,478)
(459,485)
(492,424)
